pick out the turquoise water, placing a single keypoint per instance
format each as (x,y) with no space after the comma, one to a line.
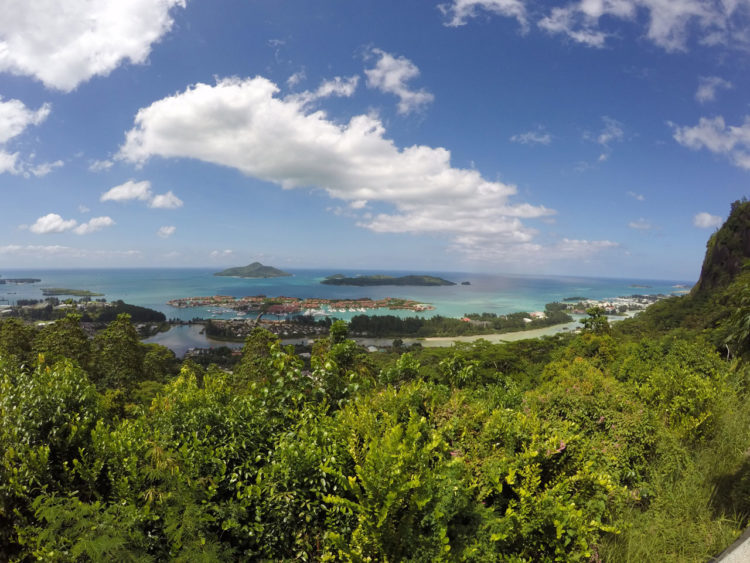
(153,287)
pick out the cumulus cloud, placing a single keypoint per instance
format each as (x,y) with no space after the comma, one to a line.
(640,225)
(95,224)
(41,170)
(391,74)
(459,11)
(706,220)
(535,137)
(713,134)
(65,43)
(141,191)
(128,191)
(221,253)
(668,23)
(15,118)
(708,86)
(54,223)
(166,201)
(166,231)
(243,124)
(100,165)
(339,87)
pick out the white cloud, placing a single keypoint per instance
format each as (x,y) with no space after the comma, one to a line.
(45,168)
(391,74)
(242,124)
(713,134)
(166,201)
(708,87)
(340,87)
(459,11)
(8,162)
(358,204)
(221,253)
(65,43)
(640,225)
(670,24)
(706,220)
(95,224)
(83,209)
(612,132)
(536,137)
(296,78)
(636,196)
(100,165)
(141,191)
(15,117)
(52,223)
(128,191)
(166,231)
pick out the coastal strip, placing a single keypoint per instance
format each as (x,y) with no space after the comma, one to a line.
(297,306)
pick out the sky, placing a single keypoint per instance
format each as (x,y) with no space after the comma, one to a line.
(575,137)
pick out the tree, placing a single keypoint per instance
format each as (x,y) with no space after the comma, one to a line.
(15,339)
(64,339)
(118,357)
(596,322)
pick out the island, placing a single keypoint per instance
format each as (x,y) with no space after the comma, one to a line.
(366,281)
(54,291)
(21,280)
(254,270)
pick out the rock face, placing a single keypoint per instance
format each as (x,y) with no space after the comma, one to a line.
(727,250)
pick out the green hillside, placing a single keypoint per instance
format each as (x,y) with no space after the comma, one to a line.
(622,443)
(254,270)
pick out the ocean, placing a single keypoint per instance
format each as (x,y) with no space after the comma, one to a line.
(501,294)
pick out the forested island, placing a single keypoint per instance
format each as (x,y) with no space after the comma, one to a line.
(57,291)
(374,280)
(626,442)
(254,270)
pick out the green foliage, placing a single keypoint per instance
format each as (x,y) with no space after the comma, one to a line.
(117,356)
(46,416)
(596,321)
(627,443)
(64,339)
(15,340)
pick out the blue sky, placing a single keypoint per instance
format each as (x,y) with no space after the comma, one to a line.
(593,137)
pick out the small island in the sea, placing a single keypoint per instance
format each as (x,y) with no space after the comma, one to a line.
(20,280)
(366,281)
(465,283)
(637,285)
(254,270)
(56,291)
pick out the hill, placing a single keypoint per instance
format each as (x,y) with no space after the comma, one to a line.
(726,250)
(254,270)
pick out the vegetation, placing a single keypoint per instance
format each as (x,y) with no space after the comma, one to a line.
(366,281)
(254,270)
(485,323)
(624,443)
(55,291)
